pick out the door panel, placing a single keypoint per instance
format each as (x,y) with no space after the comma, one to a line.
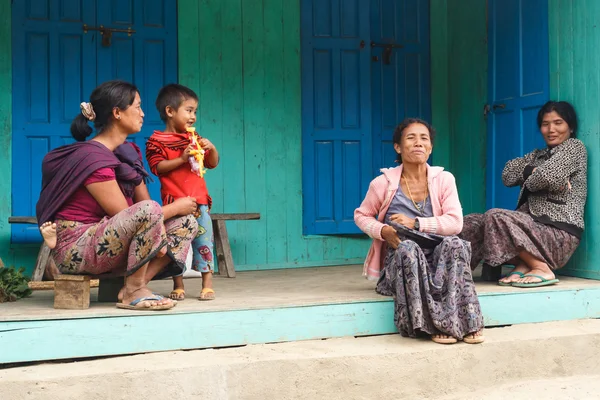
(56,65)
(401,88)
(336,117)
(147,58)
(518,87)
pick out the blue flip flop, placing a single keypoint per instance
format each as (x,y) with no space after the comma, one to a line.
(544,282)
(511,274)
(134,305)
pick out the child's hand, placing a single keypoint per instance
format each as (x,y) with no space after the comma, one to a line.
(206,144)
(185,205)
(186,153)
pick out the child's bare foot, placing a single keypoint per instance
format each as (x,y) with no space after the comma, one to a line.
(178,292)
(207,291)
(48,230)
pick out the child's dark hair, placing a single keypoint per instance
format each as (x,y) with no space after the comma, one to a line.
(104,99)
(172,96)
(562,108)
(405,124)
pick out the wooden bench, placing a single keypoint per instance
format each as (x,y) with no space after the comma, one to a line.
(72,291)
(222,246)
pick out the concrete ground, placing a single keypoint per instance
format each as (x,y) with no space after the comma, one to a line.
(580,387)
(536,361)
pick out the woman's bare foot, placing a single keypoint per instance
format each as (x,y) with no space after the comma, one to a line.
(48,230)
(130,294)
(521,267)
(540,269)
(474,337)
(443,339)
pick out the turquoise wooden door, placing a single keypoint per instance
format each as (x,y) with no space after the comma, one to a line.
(365,66)
(56,65)
(518,87)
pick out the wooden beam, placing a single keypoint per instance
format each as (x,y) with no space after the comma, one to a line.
(235,217)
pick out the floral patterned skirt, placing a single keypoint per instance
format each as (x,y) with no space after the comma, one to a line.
(498,236)
(122,244)
(433,289)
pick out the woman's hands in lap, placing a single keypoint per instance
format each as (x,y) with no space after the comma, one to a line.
(390,236)
(402,219)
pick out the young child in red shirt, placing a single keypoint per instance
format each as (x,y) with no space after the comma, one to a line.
(169,157)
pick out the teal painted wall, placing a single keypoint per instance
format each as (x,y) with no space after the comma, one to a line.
(243,60)
(5,131)
(459,92)
(574,29)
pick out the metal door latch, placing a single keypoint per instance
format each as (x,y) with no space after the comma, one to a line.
(387,50)
(106,32)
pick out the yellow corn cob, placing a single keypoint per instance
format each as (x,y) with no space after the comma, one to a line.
(198,152)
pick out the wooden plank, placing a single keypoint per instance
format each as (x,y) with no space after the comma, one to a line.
(74,278)
(22,220)
(41,263)
(223,249)
(440,107)
(188,37)
(49,285)
(467,30)
(6,131)
(93,337)
(575,41)
(233,163)
(234,216)
(255,131)
(275,120)
(293,135)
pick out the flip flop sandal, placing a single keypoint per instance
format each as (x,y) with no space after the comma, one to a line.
(511,274)
(543,282)
(474,340)
(207,294)
(449,340)
(135,305)
(178,294)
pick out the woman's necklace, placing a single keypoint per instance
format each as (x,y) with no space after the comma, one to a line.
(420,207)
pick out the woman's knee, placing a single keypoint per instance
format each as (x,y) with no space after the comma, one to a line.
(190,222)
(147,211)
(407,245)
(149,206)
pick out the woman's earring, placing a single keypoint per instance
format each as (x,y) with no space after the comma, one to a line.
(119,117)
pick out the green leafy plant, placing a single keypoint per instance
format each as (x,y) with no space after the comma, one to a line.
(13,284)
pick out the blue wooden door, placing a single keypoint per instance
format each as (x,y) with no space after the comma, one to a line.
(56,65)
(353,95)
(336,106)
(518,87)
(400,78)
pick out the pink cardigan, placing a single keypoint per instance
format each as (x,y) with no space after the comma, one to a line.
(447,211)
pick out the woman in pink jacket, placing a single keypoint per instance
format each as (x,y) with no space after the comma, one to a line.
(413,214)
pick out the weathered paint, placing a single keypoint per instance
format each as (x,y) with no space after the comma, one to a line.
(91,337)
(459,92)
(5,131)
(243,60)
(574,29)
(440,117)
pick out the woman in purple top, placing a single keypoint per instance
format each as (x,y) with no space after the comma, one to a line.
(95,210)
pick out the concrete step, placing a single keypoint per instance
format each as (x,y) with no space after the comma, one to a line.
(382,367)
